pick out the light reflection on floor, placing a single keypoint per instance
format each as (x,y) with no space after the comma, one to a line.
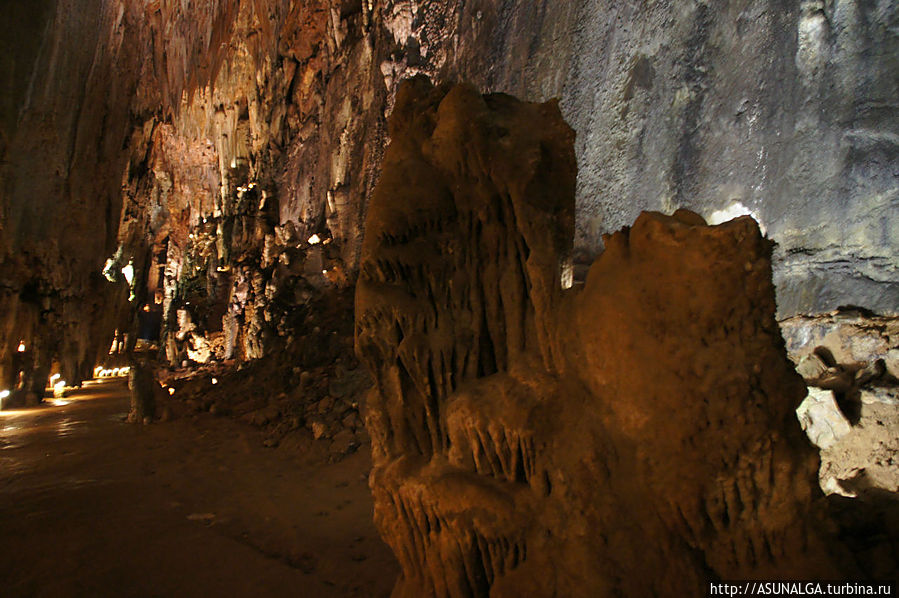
(46,416)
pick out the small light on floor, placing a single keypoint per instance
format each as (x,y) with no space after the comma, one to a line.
(315,239)
(21,348)
(324,271)
(171,391)
(215,381)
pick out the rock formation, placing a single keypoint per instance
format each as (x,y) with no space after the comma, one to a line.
(197,173)
(632,435)
(129,126)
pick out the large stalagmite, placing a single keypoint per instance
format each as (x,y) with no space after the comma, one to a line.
(631,436)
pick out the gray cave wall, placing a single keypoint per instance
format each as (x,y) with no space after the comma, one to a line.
(125,124)
(788,111)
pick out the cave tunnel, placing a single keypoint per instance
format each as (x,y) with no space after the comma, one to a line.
(449,298)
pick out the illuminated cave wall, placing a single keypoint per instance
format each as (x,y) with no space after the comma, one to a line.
(70,69)
(128,123)
(784,110)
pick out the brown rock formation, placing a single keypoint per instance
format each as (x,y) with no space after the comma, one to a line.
(129,125)
(632,437)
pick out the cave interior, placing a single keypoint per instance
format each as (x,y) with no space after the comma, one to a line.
(448,298)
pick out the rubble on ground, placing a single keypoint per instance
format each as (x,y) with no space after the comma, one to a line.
(850,360)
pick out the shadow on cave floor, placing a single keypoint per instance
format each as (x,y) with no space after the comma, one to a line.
(92,506)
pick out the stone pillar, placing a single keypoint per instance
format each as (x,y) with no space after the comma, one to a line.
(141,381)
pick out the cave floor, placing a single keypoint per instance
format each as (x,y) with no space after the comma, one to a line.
(93,506)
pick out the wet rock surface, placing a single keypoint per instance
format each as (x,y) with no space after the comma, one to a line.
(532,440)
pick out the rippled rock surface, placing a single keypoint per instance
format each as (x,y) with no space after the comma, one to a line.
(631,435)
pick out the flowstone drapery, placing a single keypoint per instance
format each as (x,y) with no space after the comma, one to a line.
(633,435)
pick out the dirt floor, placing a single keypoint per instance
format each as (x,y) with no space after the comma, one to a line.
(92,506)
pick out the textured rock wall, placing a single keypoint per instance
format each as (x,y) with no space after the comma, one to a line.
(176,138)
(634,435)
(71,78)
(252,158)
(127,123)
(783,110)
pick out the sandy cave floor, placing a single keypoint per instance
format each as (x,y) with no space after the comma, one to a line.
(92,506)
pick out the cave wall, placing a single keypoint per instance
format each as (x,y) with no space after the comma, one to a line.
(782,110)
(71,77)
(279,142)
(138,120)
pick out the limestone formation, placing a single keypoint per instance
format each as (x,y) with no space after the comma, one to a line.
(143,386)
(633,435)
(129,126)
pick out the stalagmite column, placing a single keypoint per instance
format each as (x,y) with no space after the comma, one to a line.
(632,436)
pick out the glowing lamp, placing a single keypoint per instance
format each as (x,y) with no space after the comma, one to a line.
(314,240)
(21,348)
(128,272)
(171,391)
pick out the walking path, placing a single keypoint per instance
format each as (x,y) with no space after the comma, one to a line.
(92,506)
